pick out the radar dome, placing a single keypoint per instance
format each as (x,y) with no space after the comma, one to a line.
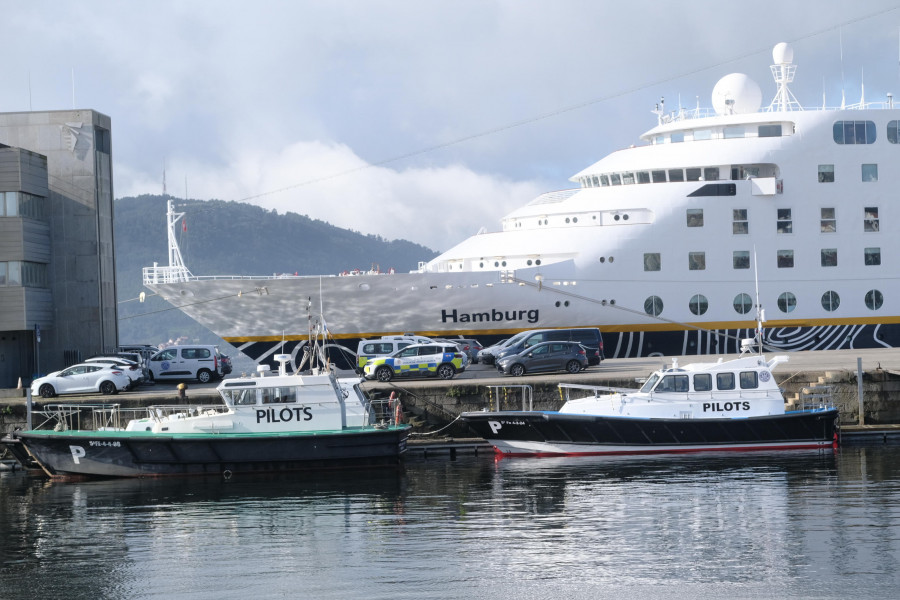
(736,94)
(783,54)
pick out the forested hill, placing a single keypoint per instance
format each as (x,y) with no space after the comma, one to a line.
(232,238)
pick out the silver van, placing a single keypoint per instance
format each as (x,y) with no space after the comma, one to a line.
(183,362)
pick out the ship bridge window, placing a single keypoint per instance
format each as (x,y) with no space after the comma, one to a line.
(643,177)
(711,174)
(714,189)
(826,173)
(854,132)
(749,380)
(658,176)
(673,383)
(828,222)
(893,132)
(869,172)
(734,132)
(677,137)
(702,134)
(604,181)
(627,178)
(872,257)
(769,130)
(615,179)
(676,175)
(595,182)
(692,174)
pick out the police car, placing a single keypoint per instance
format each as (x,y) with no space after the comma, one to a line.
(418,360)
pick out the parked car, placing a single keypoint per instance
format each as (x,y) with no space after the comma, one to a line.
(385,346)
(589,337)
(544,357)
(182,362)
(140,358)
(489,355)
(469,347)
(226,364)
(435,360)
(132,369)
(83,378)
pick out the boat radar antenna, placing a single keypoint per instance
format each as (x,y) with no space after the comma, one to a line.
(783,71)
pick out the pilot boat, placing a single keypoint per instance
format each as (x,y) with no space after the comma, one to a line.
(732,405)
(653,245)
(265,423)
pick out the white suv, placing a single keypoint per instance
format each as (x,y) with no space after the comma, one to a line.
(180,362)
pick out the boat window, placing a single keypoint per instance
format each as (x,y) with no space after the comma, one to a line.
(702,134)
(615,179)
(787,302)
(711,174)
(652,261)
(831,301)
(785,259)
(769,130)
(677,137)
(658,176)
(699,304)
(854,132)
(740,225)
(595,182)
(785,223)
(695,217)
(604,181)
(749,380)
(829,257)
(702,382)
(826,173)
(828,222)
(643,177)
(870,222)
(869,173)
(650,383)
(734,132)
(627,178)
(693,174)
(697,261)
(873,256)
(241,397)
(874,299)
(673,383)
(893,132)
(742,304)
(676,175)
(725,381)
(714,189)
(653,306)
(741,259)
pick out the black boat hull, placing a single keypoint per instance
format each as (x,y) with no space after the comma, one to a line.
(557,434)
(120,454)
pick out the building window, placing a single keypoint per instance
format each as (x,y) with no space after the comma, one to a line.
(785,259)
(893,127)
(874,299)
(697,261)
(869,172)
(828,223)
(695,217)
(653,306)
(826,173)
(3,269)
(785,224)
(873,257)
(787,302)
(854,132)
(699,304)
(652,261)
(829,257)
(740,224)
(23,204)
(742,304)
(741,259)
(870,223)
(830,301)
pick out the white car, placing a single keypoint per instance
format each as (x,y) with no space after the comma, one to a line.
(131,368)
(83,378)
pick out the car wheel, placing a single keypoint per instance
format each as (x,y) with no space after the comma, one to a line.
(152,379)
(47,391)
(573,366)
(446,371)
(384,374)
(517,370)
(204,376)
(107,388)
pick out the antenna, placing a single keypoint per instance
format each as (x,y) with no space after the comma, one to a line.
(783,71)
(73,88)
(760,313)
(843,102)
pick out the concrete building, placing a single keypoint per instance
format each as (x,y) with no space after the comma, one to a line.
(57,266)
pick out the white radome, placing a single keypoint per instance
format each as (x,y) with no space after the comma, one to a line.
(783,54)
(736,94)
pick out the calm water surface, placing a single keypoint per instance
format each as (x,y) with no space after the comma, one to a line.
(809,525)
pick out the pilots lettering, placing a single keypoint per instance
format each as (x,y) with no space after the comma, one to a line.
(271,415)
(725,406)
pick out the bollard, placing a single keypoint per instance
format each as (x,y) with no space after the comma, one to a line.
(859,390)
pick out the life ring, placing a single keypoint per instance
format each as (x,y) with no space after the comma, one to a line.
(397,414)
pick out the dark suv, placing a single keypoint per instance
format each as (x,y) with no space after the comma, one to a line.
(589,337)
(545,356)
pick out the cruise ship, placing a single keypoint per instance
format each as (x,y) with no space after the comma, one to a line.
(669,246)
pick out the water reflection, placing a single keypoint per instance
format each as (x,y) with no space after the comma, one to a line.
(799,524)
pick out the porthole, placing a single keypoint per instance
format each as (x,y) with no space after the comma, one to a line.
(611,259)
(481,265)
(574,219)
(612,302)
(787,302)
(742,304)
(603,259)
(503,263)
(566,303)
(653,306)
(874,299)
(364,286)
(830,301)
(496,263)
(699,304)
(616,218)
(538,262)
(556,304)
(567,219)
(624,217)
(529,262)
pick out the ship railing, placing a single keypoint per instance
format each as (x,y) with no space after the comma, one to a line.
(686,114)
(78,417)
(164,412)
(816,397)
(158,275)
(501,397)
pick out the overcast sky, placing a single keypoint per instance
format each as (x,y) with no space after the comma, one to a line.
(423,120)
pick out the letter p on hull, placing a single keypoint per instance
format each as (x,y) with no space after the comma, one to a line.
(495,426)
(77,453)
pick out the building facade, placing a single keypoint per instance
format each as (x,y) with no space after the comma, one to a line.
(58,295)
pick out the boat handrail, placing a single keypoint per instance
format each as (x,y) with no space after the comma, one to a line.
(502,395)
(73,416)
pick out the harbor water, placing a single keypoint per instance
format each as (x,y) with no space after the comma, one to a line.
(740,525)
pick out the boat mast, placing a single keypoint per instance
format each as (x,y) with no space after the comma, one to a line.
(177,270)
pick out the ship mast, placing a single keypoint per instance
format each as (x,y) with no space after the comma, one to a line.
(177,270)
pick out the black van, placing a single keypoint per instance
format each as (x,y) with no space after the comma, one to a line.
(589,337)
